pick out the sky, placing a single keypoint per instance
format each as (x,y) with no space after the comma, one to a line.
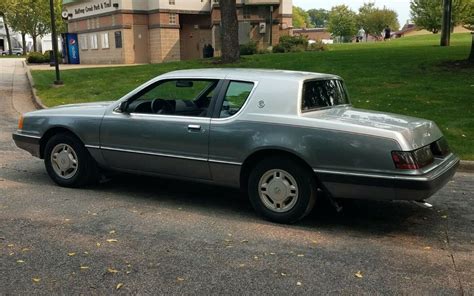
(402,7)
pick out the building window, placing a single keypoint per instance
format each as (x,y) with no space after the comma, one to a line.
(93,39)
(83,42)
(172,18)
(172,2)
(105,40)
(246,12)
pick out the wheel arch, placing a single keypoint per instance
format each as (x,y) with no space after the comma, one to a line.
(54,131)
(256,156)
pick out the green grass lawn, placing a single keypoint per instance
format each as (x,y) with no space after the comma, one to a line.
(401,76)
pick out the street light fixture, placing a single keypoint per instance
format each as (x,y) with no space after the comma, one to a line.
(55,43)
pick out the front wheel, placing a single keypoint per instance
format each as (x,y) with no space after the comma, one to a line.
(281,190)
(68,162)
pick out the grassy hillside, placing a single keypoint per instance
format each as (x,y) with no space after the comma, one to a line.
(401,76)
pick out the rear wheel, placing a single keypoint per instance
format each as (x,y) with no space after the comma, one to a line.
(68,162)
(281,190)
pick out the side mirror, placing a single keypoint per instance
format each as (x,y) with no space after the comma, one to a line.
(121,107)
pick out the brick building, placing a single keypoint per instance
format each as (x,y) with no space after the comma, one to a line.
(155,31)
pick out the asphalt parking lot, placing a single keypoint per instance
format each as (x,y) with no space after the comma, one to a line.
(142,235)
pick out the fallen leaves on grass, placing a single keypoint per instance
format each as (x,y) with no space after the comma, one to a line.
(358,274)
(36,280)
(119,285)
(300,255)
(84,267)
(71,254)
(112,231)
(10,245)
(112,240)
(298,283)
(25,249)
(20,261)
(427,248)
(111,270)
(179,279)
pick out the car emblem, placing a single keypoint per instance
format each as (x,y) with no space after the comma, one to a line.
(261,104)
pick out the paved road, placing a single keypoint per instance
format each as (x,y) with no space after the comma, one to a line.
(164,237)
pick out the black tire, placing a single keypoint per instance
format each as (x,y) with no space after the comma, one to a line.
(306,185)
(87,170)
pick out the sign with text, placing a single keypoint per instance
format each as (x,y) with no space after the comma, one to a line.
(91,7)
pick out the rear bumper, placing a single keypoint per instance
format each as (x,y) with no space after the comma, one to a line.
(28,143)
(388,187)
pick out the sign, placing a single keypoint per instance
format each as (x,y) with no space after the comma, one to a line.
(72,48)
(88,8)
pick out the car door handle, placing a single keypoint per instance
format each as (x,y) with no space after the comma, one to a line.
(194,127)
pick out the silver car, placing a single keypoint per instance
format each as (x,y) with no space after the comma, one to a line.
(282,136)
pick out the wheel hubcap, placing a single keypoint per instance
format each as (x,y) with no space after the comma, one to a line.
(278,190)
(64,161)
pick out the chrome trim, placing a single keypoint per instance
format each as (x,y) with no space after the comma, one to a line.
(154,153)
(225,162)
(26,135)
(164,155)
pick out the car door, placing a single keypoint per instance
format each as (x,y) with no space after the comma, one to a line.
(163,129)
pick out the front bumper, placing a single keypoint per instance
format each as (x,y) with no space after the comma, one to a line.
(28,143)
(388,187)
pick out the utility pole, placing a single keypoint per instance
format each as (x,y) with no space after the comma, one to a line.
(55,43)
(446,26)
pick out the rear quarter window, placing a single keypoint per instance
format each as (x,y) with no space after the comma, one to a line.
(323,93)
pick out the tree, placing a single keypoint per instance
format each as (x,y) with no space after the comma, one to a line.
(428,14)
(318,17)
(374,20)
(468,23)
(342,21)
(4,12)
(230,30)
(300,18)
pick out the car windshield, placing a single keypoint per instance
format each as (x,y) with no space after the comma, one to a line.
(323,93)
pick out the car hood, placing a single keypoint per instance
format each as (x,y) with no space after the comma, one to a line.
(96,108)
(410,132)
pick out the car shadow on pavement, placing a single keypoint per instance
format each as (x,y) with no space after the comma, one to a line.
(375,217)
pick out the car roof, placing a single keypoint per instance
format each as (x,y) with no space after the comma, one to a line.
(250,74)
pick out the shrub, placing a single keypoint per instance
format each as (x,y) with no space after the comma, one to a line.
(278,48)
(248,49)
(36,58)
(318,46)
(291,44)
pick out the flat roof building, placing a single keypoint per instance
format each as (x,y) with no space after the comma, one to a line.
(155,31)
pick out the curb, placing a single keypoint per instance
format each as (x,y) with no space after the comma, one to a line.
(36,99)
(466,166)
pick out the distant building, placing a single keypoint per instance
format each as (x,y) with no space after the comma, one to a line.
(155,31)
(316,34)
(412,30)
(15,38)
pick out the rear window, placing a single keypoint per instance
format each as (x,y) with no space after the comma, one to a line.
(323,93)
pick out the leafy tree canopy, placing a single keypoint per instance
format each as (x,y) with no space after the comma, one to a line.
(428,14)
(342,21)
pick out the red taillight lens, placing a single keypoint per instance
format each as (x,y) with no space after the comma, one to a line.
(404,160)
(412,160)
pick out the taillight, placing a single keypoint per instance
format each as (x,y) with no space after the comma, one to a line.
(412,160)
(20,122)
(404,160)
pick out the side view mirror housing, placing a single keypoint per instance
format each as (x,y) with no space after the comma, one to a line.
(121,107)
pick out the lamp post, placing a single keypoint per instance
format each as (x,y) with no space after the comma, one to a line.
(55,43)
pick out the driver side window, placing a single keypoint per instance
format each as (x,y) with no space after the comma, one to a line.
(182,97)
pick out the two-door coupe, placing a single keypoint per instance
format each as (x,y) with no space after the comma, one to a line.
(279,135)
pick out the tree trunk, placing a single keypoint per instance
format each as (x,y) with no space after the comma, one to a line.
(471,56)
(7,32)
(230,31)
(34,43)
(23,42)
